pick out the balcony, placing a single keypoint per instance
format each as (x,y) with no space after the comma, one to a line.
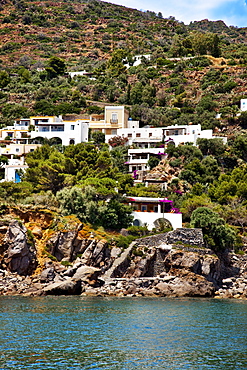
(57,128)
(114,121)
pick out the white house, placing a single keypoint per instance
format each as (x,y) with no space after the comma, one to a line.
(16,159)
(148,137)
(115,118)
(137,60)
(77,73)
(152,211)
(81,73)
(145,137)
(13,169)
(16,134)
(243,105)
(10,150)
(138,158)
(64,132)
(180,134)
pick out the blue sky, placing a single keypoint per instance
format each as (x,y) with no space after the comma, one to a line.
(232,12)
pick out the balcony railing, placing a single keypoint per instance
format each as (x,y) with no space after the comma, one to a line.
(114,121)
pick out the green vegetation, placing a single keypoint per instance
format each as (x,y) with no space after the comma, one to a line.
(194,74)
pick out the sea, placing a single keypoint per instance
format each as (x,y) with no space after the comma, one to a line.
(73,332)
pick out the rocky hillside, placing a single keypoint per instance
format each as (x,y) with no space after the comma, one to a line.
(65,259)
(76,30)
(185,65)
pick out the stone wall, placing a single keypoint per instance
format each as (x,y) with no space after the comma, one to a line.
(186,236)
(194,237)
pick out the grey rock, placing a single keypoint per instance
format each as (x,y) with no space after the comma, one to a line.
(20,256)
(67,287)
(47,275)
(86,274)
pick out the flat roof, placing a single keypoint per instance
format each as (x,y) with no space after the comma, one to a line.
(149,200)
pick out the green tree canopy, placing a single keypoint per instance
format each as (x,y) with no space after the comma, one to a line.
(217,234)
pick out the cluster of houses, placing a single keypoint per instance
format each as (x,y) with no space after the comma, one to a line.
(27,134)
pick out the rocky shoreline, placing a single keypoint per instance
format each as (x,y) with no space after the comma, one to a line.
(174,264)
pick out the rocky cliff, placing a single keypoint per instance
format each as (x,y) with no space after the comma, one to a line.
(41,255)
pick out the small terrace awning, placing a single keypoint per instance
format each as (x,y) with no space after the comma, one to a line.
(148,200)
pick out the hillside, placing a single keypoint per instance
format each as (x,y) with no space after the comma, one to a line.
(188,74)
(187,63)
(92,29)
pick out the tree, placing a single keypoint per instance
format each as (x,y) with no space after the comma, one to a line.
(239,147)
(153,162)
(46,169)
(4,79)
(243,119)
(13,110)
(215,48)
(98,137)
(206,103)
(55,67)
(10,191)
(116,215)
(217,234)
(89,207)
(214,147)
(45,107)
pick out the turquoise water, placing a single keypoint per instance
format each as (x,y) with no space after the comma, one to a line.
(131,333)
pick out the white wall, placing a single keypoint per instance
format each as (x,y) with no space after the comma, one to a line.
(153,135)
(149,218)
(11,167)
(243,105)
(73,130)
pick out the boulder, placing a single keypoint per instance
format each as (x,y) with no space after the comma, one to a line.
(48,274)
(86,274)
(20,254)
(61,245)
(67,287)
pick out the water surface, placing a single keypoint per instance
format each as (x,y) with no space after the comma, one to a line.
(130,333)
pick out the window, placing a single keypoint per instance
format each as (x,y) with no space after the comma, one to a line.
(138,135)
(57,128)
(114,132)
(150,134)
(139,168)
(144,208)
(31,150)
(72,127)
(129,135)
(17,150)
(114,118)
(136,222)
(155,209)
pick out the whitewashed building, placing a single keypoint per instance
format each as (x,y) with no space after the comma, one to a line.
(138,158)
(152,211)
(137,60)
(243,105)
(115,118)
(147,137)
(65,132)
(12,170)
